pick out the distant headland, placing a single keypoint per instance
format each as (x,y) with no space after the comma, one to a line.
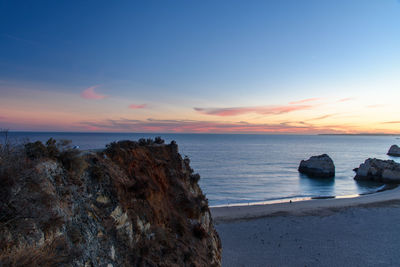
(365,134)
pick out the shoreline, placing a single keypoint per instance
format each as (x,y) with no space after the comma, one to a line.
(382,188)
(309,206)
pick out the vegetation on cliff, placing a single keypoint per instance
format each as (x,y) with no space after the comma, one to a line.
(133,204)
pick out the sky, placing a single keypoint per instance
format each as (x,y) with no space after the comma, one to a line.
(210,66)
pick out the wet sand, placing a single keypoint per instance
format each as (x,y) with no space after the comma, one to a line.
(362,231)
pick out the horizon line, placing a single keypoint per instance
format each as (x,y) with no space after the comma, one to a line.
(229,133)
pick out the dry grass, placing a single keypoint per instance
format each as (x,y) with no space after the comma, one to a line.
(40,189)
(156,185)
(29,201)
(51,253)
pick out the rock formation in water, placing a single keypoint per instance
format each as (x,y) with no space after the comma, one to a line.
(318,166)
(133,204)
(385,171)
(394,151)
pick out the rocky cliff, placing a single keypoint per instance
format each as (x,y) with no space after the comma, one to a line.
(133,204)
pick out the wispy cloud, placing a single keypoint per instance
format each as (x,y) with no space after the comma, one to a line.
(267,110)
(134,106)
(305,101)
(90,93)
(391,122)
(321,117)
(346,99)
(376,106)
(21,39)
(164,126)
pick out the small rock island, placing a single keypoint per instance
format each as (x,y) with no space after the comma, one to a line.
(385,171)
(394,151)
(318,167)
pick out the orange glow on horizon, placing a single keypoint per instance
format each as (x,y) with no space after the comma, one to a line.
(69,112)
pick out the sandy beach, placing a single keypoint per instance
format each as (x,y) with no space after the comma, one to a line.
(361,231)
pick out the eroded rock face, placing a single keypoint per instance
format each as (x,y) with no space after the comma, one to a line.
(385,171)
(131,205)
(318,166)
(394,151)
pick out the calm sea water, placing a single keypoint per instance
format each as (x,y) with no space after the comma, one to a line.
(253,168)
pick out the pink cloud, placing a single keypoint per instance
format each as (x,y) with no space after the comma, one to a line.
(92,128)
(304,101)
(90,93)
(346,99)
(235,111)
(134,106)
(322,117)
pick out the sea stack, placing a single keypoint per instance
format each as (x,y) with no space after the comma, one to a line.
(385,171)
(394,151)
(318,166)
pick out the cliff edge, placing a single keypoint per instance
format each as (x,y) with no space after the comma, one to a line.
(133,204)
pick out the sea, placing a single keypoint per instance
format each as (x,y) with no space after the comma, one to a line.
(243,169)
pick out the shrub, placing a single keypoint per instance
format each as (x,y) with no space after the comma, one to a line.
(186,160)
(199,231)
(142,142)
(195,178)
(5,147)
(158,140)
(51,253)
(52,149)
(74,163)
(174,147)
(36,150)
(61,151)
(97,172)
(145,142)
(70,159)
(13,163)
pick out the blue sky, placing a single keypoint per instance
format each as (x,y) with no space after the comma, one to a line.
(204,54)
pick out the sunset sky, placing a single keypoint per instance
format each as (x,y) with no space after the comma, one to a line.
(215,66)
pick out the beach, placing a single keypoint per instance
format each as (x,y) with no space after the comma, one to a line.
(360,231)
